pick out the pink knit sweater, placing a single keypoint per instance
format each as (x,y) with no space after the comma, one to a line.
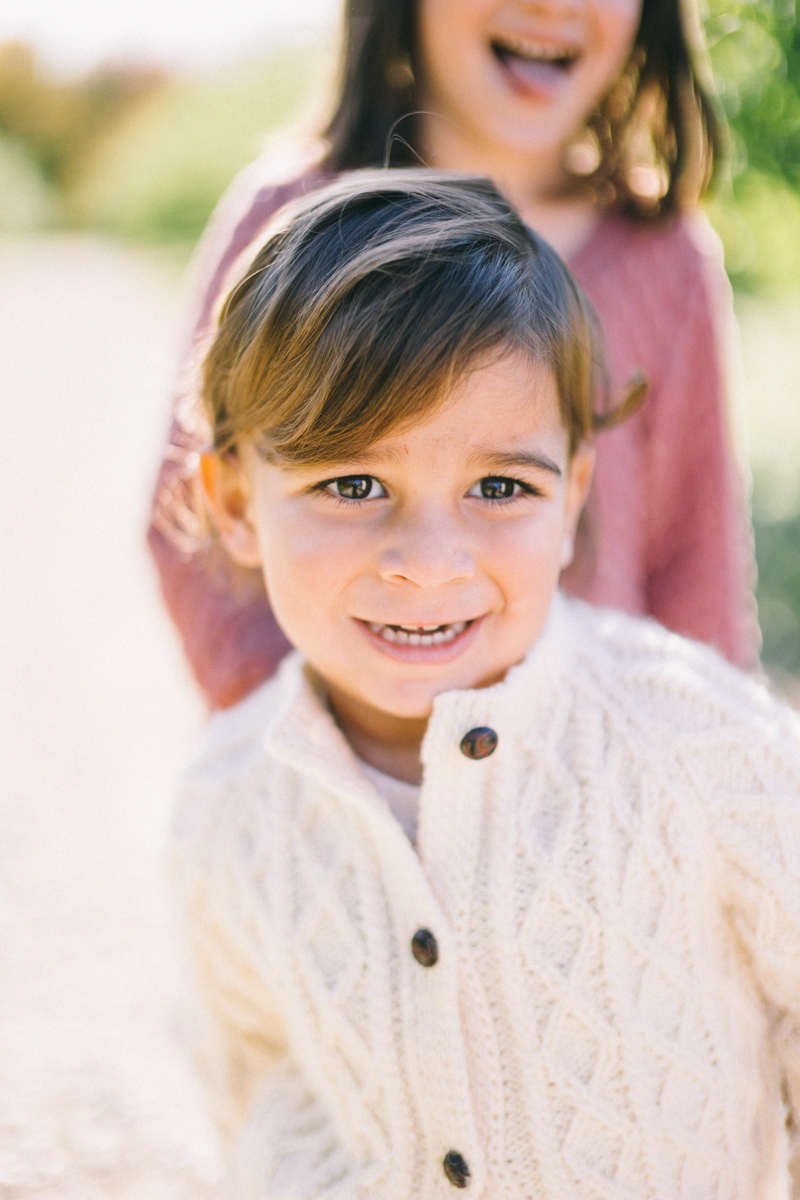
(665,531)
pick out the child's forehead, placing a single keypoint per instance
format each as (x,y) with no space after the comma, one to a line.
(502,415)
(489,409)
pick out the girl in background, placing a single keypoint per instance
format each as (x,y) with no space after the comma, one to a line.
(591,117)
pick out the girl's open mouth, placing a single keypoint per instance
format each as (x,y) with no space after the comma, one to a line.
(535,65)
(419,635)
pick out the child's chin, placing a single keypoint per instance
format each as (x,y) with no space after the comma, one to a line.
(414,702)
(409,708)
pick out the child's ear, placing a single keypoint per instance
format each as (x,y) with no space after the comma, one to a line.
(228,494)
(581,469)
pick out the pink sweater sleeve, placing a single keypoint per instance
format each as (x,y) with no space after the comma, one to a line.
(670,536)
(221,611)
(699,570)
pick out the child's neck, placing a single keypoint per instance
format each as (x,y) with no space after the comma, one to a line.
(536,185)
(391,744)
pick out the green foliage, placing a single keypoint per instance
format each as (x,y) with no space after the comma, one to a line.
(26,201)
(778,591)
(163,169)
(760,230)
(755,55)
(56,121)
(768,421)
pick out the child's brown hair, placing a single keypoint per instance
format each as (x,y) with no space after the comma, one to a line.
(372,296)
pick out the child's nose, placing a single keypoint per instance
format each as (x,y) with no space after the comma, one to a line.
(428,551)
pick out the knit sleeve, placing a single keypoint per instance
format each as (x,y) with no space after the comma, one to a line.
(229,635)
(238,1030)
(239,1038)
(758,836)
(699,571)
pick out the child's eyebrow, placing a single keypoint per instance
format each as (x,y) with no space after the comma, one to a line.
(481,458)
(506,462)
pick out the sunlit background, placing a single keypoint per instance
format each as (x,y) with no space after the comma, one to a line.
(76,37)
(120,126)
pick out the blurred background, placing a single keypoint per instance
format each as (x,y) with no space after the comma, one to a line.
(124,125)
(120,126)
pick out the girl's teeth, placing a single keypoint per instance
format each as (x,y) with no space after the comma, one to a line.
(536,53)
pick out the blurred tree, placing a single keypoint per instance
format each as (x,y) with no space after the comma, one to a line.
(778,592)
(26,202)
(162,168)
(57,120)
(755,54)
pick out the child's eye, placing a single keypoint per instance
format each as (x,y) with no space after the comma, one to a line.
(498,487)
(356,487)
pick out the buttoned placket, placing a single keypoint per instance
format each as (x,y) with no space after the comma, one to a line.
(425,895)
(433,1040)
(471,754)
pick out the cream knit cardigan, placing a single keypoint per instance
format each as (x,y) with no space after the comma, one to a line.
(615,893)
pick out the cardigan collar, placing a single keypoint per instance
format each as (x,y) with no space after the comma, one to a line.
(303,734)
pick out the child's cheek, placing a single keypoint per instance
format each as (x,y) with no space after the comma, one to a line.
(309,561)
(525,554)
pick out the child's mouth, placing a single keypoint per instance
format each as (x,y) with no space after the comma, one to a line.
(419,635)
(534,65)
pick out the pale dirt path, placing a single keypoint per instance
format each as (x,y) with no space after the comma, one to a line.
(97,716)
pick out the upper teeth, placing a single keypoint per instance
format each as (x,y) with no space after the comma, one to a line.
(418,635)
(540,52)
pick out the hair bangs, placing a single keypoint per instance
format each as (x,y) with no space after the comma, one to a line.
(373,298)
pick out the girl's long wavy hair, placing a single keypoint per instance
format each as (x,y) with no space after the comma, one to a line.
(652,140)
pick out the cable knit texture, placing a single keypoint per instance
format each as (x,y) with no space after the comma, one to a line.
(615,894)
(665,531)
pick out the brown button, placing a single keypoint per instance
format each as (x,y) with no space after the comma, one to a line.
(424,948)
(479,743)
(456,1169)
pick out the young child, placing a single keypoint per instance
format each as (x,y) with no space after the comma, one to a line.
(487,888)
(593,119)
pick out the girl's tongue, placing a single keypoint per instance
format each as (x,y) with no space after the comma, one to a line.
(534,73)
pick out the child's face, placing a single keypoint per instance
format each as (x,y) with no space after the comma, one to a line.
(509,75)
(428,562)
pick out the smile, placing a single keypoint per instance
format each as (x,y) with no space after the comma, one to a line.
(536,68)
(535,52)
(419,635)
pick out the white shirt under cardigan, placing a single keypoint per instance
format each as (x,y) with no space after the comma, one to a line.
(615,895)
(401,797)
